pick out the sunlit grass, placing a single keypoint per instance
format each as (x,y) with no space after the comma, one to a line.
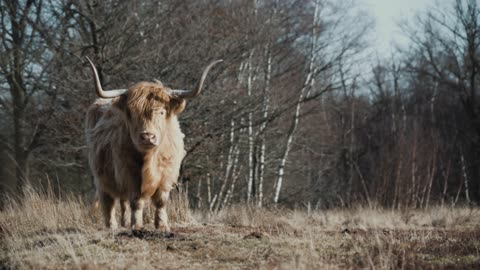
(43,231)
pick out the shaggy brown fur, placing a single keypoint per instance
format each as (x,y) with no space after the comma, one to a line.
(126,168)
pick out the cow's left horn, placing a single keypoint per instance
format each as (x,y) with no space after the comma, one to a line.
(196,91)
(98,86)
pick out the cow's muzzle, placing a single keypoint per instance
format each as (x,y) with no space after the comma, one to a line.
(147,138)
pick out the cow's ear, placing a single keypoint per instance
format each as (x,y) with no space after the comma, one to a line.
(177,105)
(120,103)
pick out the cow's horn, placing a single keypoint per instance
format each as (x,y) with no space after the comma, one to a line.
(98,86)
(196,91)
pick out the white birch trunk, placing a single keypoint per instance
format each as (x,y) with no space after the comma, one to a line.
(199,194)
(431,175)
(228,167)
(296,116)
(209,188)
(213,202)
(465,177)
(413,192)
(266,103)
(283,160)
(235,175)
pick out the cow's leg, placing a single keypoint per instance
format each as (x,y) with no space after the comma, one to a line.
(136,209)
(108,210)
(124,218)
(160,199)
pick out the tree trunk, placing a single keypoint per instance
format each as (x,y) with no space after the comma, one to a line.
(266,101)
(228,168)
(235,174)
(18,92)
(465,176)
(251,165)
(303,92)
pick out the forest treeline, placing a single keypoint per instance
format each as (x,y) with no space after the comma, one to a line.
(301,111)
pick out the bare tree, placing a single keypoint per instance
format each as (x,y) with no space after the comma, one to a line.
(32,32)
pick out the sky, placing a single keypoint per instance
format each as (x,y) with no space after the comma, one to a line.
(387,14)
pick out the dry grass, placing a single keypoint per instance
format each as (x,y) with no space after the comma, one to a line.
(48,233)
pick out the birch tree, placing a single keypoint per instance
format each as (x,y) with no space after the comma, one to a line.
(263,126)
(309,80)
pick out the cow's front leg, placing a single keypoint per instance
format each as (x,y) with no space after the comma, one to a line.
(160,199)
(108,210)
(123,217)
(136,209)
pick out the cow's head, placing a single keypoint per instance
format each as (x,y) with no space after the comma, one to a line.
(147,107)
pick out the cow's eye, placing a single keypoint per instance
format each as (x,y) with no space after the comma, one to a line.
(160,111)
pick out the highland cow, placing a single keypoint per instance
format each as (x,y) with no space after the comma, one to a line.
(135,147)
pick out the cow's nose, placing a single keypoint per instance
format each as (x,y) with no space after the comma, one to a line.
(147,137)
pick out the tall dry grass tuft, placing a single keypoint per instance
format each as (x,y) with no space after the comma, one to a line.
(37,220)
(179,207)
(39,229)
(41,209)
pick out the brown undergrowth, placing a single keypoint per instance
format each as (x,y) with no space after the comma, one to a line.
(44,232)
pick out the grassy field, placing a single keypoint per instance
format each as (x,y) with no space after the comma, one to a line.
(48,233)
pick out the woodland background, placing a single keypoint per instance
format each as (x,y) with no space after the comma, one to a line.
(301,112)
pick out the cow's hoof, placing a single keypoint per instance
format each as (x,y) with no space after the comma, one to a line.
(163,228)
(137,227)
(112,226)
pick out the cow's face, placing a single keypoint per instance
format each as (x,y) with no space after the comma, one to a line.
(148,108)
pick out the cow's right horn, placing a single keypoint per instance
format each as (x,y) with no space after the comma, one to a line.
(98,86)
(196,91)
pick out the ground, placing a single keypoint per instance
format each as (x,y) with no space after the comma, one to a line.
(47,233)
